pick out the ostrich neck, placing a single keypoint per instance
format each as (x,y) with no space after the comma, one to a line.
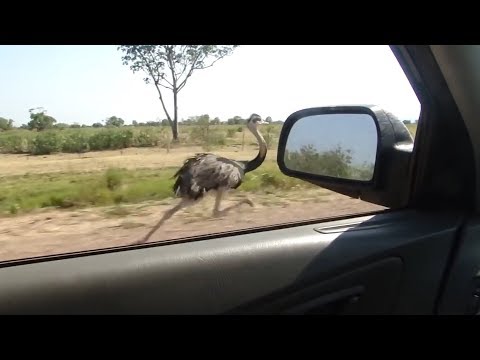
(262,152)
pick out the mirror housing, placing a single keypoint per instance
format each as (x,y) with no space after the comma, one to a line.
(390,156)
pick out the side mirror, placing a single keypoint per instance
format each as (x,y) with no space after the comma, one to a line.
(359,151)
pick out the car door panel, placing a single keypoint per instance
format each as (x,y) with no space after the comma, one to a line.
(462,288)
(398,261)
(357,291)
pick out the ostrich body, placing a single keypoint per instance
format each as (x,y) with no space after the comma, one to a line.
(205,172)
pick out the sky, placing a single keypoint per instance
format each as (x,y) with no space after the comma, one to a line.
(87,83)
(356,132)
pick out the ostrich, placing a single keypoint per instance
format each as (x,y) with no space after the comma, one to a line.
(204,172)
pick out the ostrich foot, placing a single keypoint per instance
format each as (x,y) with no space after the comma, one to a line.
(249,202)
(218,213)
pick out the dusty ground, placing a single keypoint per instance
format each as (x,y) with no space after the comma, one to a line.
(57,231)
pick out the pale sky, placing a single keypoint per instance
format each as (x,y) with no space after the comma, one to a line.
(356,132)
(86,84)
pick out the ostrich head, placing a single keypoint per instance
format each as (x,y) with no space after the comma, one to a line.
(253,121)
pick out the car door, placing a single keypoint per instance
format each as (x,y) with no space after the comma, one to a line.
(408,259)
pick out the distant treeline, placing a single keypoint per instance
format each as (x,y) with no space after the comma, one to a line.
(40,121)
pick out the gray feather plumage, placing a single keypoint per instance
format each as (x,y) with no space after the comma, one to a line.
(204,172)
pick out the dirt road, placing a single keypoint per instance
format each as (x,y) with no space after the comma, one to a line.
(60,231)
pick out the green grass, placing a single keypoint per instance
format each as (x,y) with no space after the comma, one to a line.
(24,193)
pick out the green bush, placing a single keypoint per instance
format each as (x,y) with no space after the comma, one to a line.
(59,201)
(113,178)
(268,179)
(14,144)
(111,139)
(76,142)
(335,162)
(121,139)
(146,138)
(99,141)
(46,143)
(270,136)
(214,138)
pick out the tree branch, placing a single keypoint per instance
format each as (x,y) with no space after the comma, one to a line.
(206,67)
(163,104)
(171,65)
(182,56)
(165,86)
(158,71)
(182,84)
(168,82)
(156,84)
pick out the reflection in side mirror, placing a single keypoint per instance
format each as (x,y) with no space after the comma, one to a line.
(339,145)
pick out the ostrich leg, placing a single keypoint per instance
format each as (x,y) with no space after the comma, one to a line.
(246,200)
(217,212)
(168,214)
(218,200)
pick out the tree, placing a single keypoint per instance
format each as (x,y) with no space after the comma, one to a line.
(114,121)
(335,162)
(61,126)
(215,121)
(170,66)
(97,125)
(236,120)
(39,120)
(6,124)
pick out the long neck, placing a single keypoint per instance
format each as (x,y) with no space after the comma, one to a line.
(262,152)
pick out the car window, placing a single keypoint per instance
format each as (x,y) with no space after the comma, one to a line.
(90,157)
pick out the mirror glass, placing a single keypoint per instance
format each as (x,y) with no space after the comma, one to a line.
(334,145)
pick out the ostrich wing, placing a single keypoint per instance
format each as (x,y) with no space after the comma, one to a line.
(205,172)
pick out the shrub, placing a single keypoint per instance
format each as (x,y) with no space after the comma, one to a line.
(46,143)
(76,142)
(113,178)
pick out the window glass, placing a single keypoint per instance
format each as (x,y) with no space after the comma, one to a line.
(88,153)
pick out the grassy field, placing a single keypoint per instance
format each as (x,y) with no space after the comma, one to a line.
(22,193)
(126,175)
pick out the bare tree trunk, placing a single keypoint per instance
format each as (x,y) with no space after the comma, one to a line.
(175,118)
(174,127)
(173,123)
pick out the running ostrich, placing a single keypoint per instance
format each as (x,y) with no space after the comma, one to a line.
(204,172)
